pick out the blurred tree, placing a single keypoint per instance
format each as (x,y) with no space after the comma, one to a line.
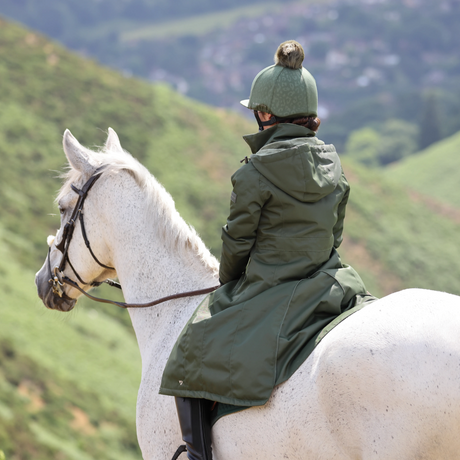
(430,125)
(363,146)
(398,140)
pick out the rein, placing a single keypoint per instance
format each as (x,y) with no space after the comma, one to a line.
(57,277)
(139,305)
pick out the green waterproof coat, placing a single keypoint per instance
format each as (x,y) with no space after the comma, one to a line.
(283,280)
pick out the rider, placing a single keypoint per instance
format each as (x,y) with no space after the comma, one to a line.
(282,278)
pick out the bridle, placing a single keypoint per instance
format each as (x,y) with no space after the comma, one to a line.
(57,277)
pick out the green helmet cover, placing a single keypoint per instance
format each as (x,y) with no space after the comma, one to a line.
(286,89)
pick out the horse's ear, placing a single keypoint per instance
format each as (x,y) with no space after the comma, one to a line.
(113,142)
(79,157)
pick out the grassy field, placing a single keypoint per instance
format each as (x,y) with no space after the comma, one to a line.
(205,23)
(401,239)
(68,383)
(199,25)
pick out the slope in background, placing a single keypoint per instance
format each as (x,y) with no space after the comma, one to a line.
(373,60)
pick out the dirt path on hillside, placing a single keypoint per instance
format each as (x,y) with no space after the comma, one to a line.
(438,207)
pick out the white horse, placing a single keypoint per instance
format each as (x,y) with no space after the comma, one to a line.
(384,384)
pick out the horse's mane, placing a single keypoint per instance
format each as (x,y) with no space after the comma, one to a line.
(159,203)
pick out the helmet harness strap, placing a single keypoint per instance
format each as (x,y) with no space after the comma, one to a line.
(274,119)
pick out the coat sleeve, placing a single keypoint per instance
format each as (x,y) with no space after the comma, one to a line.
(239,234)
(338,227)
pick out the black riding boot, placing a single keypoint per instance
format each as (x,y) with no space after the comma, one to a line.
(195,423)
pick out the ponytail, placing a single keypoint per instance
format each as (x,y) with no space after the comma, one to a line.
(311,122)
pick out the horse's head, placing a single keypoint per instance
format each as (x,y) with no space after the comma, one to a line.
(77,252)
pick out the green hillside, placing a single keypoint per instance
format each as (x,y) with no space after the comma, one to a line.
(434,172)
(397,240)
(68,383)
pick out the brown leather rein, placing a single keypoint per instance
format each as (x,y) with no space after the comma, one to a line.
(58,279)
(139,305)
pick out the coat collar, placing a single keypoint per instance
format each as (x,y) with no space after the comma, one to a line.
(280,132)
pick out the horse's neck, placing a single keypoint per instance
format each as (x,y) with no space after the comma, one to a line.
(158,327)
(149,267)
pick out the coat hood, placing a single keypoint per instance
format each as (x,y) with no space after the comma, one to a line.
(293,159)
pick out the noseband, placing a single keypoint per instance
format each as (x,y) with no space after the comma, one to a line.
(57,277)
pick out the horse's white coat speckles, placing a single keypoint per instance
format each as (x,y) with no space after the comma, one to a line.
(384,385)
